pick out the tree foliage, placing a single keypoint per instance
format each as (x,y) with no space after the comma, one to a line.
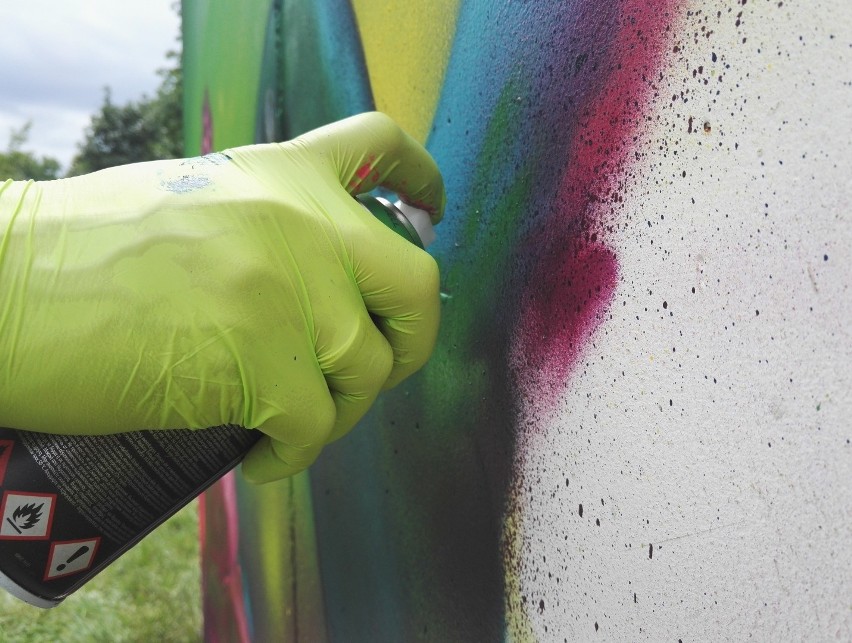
(143,130)
(18,164)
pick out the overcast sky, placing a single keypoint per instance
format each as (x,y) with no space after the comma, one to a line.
(56,56)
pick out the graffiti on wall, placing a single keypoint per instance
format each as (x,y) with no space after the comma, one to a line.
(549,119)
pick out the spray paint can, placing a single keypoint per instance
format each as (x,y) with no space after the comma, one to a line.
(71,505)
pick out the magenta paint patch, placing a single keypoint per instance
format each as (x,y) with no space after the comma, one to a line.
(206,126)
(363,181)
(574,273)
(221,571)
(560,315)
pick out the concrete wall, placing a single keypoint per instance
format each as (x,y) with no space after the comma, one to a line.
(636,423)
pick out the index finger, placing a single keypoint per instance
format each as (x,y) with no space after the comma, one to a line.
(370,150)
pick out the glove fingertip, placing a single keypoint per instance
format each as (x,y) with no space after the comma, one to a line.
(262,464)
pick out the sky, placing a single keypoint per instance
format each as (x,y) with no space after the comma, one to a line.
(56,57)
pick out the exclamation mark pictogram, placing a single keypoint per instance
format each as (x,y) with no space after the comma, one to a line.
(73,557)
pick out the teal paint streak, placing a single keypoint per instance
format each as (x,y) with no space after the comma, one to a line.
(410,504)
(323,73)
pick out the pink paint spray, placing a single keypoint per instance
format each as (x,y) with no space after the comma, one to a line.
(575,271)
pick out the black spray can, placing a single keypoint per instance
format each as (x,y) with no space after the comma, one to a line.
(71,505)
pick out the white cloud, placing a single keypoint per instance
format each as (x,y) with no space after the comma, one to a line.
(58,55)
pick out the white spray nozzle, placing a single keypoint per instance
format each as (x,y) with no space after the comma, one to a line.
(419,220)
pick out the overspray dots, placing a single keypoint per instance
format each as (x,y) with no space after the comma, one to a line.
(630,111)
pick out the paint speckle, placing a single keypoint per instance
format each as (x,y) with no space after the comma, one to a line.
(186,183)
(366,176)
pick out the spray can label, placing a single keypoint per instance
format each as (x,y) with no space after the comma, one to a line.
(70,505)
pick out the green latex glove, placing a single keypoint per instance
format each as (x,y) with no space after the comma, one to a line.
(247,287)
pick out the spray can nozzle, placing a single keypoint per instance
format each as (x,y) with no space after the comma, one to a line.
(409,222)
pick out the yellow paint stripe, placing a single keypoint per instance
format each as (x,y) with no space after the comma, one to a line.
(407,48)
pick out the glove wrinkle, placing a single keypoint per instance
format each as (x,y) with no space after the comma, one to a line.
(240,290)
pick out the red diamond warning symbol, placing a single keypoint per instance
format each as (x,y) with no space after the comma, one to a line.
(70,557)
(5,454)
(26,515)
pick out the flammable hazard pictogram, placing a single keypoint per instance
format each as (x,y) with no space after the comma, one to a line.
(5,455)
(26,515)
(70,557)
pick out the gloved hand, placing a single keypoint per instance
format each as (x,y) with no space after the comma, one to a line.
(246,287)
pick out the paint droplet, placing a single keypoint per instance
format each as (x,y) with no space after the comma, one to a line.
(185,184)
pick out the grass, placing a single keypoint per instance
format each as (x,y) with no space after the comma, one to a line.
(152,593)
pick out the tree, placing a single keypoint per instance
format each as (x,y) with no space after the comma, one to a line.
(17,164)
(143,130)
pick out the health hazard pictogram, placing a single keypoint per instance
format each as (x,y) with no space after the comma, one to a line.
(27,515)
(5,455)
(70,557)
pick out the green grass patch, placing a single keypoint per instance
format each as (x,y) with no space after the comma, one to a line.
(152,593)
